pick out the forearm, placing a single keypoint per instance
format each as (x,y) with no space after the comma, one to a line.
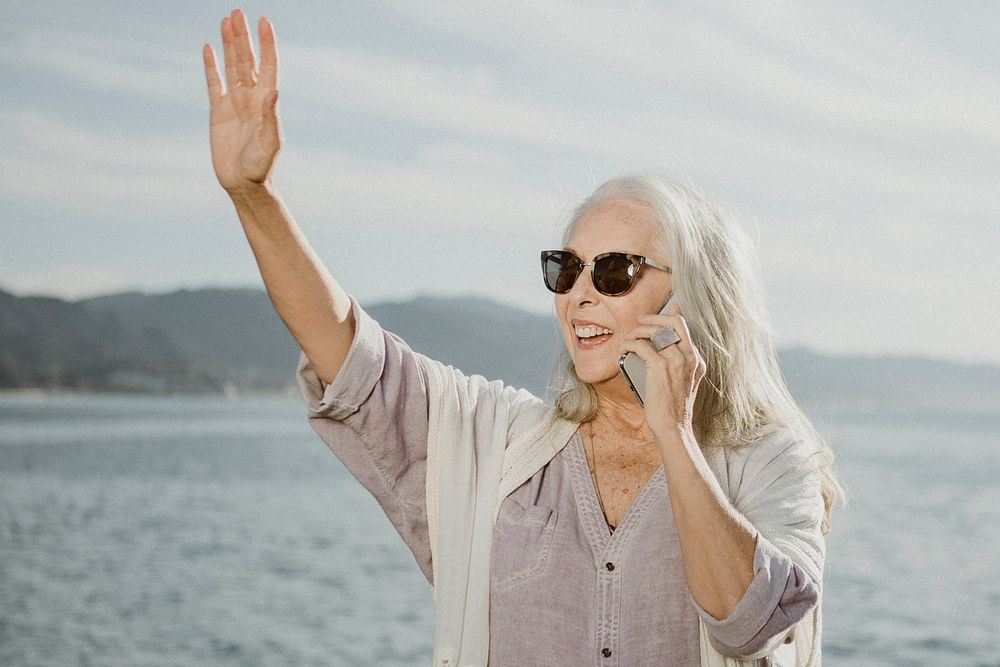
(314,307)
(780,596)
(717,543)
(756,571)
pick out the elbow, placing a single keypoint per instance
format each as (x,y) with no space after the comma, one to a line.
(753,632)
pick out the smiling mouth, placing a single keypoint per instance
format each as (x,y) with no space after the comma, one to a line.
(591,336)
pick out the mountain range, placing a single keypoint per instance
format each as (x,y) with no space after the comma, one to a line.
(231,340)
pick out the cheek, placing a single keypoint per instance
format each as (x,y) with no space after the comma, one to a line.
(562,313)
(561,307)
(648,304)
(626,320)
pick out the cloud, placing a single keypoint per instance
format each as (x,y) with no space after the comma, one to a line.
(810,65)
(465,101)
(70,280)
(124,179)
(894,284)
(818,111)
(108,62)
(873,64)
(800,132)
(814,94)
(437,192)
(101,170)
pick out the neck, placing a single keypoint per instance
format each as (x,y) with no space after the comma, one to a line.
(622,414)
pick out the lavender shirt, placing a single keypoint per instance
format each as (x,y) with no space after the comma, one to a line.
(564,588)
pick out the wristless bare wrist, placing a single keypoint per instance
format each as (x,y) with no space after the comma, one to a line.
(250,194)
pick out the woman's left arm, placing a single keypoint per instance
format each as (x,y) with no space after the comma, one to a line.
(733,573)
(717,543)
(734,552)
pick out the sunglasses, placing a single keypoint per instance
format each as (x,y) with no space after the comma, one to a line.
(614,273)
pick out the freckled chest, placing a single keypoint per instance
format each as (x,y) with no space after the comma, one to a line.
(619,469)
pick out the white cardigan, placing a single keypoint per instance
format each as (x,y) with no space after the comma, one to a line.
(468,476)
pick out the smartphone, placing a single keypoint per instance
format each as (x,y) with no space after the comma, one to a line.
(634,368)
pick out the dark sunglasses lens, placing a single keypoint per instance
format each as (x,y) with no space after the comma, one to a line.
(560,270)
(614,274)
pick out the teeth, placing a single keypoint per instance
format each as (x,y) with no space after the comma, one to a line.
(589,332)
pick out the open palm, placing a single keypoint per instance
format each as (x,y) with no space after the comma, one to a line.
(245,132)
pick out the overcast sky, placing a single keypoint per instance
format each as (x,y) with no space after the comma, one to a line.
(437,147)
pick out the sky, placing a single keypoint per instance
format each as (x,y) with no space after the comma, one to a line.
(435,148)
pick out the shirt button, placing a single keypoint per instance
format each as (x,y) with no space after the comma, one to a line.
(610,566)
(606,652)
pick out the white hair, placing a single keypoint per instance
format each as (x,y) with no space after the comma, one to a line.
(717,285)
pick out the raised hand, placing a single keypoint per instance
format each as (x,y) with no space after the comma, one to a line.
(245,131)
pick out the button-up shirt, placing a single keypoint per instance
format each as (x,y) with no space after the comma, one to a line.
(565,589)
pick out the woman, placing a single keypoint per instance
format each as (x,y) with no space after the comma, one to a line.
(687,528)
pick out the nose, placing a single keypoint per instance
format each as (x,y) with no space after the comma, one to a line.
(583,290)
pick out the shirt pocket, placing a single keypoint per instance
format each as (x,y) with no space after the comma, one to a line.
(522,540)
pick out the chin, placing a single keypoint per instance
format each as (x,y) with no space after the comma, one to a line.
(593,374)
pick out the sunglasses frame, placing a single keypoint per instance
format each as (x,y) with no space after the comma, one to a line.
(637,261)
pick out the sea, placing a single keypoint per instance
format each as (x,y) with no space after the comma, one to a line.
(193,530)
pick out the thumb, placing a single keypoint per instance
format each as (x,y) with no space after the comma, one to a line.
(269,115)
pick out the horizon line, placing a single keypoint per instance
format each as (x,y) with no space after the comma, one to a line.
(791,347)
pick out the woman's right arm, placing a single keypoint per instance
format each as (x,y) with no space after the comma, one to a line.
(246,138)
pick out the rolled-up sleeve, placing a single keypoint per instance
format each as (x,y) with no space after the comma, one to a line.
(373,417)
(775,484)
(778,597)
(361,370)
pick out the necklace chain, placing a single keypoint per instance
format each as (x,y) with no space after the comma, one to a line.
(592,464)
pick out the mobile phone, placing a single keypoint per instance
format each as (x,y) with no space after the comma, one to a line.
(634,368)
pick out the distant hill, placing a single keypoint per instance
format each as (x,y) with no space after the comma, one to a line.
(218,340)
(225,337)
(906,383)
(478,336)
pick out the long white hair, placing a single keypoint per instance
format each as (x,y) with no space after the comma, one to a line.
(716,282)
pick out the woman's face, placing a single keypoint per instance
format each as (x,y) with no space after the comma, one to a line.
(616,225)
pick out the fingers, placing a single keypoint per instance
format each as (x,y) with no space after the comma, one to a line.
(648,324)
(643,331)
(245,63)
(648,355)
(215,90)
(268,54)
(238,54)
(671,356)
(676,371)
(683,331)
(229,52)
(657,320)
(682,372)
(672,318)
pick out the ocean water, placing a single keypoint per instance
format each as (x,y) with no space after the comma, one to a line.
(205,530)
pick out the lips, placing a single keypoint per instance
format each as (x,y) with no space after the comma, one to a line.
(590,334)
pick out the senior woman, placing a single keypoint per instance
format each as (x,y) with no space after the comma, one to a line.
(683,529)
